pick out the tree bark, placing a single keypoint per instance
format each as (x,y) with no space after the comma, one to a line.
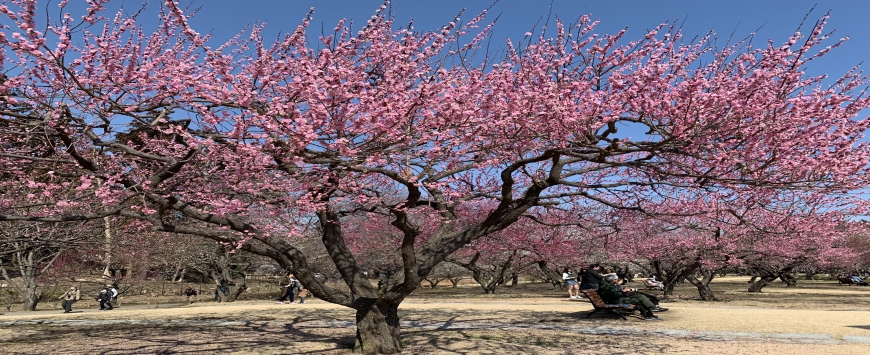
(107,247)
(31,297)
(789,279)
(31,262)
(455,281)
(487,279)
(377,329)
(669,276)
(703,284)
(552,276)
(764,280)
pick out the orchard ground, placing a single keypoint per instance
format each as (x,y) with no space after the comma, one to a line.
(816,317)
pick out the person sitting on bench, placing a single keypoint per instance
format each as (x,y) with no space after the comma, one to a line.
(612,293)
(652,280)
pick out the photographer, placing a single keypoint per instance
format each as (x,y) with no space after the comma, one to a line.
(612,293)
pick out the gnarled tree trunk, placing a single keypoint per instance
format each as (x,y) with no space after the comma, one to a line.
(702,284)
(32,262)
(552,276)
(377,329)
(670,275)
(789,279)
(488,279)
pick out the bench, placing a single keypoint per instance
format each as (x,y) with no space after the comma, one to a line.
(848,281)
(619,309)
(844,281)
(651,285)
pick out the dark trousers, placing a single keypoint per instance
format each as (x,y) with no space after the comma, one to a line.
(287,293)
(643,304)
(653,299)
(67,305)
(104,304)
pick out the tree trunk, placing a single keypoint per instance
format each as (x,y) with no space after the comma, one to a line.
(669,276)
(763,281)
(486,278)
(455,281)
(703,284)
(30,269)
(180,275)
(31,297)
(433,281)
(107,247)
(789,279)
(552,276)
(377,330)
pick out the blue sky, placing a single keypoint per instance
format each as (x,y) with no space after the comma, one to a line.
(778,19)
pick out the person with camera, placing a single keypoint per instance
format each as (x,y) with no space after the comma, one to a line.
(613,293)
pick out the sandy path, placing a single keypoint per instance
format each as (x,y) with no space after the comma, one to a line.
(683,316)
(518,326)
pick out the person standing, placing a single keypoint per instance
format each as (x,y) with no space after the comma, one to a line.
(69,297)
(591,278)
(570,279)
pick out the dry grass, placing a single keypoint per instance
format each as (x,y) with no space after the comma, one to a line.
(812,308)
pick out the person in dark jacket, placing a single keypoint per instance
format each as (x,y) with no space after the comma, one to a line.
(104,297)
(612,293)
(592,278)
(191,294)
(287,287)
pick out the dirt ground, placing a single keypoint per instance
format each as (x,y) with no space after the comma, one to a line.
(817,317)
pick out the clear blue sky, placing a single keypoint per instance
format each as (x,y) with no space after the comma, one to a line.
(778,19)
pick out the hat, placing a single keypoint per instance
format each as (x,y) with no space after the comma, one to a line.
(610,277)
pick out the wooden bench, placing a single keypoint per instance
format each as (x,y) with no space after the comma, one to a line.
(619,309)
(844,281)
(848,281)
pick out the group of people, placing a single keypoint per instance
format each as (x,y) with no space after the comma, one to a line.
(610,287)
(589,280)
(291,290)
(107,296)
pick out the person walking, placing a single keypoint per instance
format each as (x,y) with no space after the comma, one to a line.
(113,296)
(104,297)
(69,297)
(286,290)
(296,286)
(191,294)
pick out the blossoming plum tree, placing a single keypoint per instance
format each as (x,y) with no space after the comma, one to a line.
(254,142)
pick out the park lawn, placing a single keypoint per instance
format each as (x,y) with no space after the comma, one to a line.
(529,319)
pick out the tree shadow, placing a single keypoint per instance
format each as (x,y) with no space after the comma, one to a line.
(175,339)
(498,341)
